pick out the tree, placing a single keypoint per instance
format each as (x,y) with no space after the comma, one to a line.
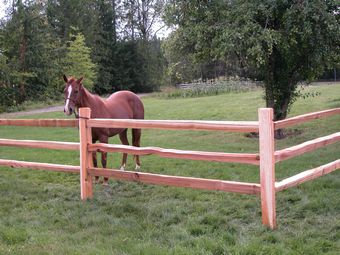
(104,50)
(30,51)
(62,15)
(78,61)
(139,17)
(279,42)
(288,42)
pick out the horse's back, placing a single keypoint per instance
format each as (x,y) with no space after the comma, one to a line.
(126,102)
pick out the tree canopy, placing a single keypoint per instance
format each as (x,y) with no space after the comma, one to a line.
(279,42)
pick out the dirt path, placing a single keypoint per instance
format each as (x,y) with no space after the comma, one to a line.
(59,108)
(31,112)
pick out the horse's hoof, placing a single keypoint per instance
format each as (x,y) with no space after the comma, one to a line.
(137,168)
(122,168)
(105,182)
(96,180)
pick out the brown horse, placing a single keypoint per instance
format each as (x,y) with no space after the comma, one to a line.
(120,105)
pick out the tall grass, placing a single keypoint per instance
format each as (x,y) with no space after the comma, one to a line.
(41,212)
(219,86)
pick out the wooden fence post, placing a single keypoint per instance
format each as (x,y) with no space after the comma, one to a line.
(85,138)
(267,166)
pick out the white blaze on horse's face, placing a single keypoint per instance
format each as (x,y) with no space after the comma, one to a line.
(67,109)
(72,91)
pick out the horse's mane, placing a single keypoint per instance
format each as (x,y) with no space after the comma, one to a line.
(72,79)
(97,97)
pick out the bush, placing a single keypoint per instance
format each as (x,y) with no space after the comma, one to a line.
(210,88)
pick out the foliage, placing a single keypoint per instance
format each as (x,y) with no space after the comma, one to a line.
(41,212)
(279,42)
(116,51)
(64,15)
(78,62)
(104,51)
(30,56)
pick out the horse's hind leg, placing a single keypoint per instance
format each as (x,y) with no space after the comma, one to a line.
(136,135)
(125,141)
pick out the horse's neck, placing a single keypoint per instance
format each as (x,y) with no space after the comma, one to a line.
(89,100)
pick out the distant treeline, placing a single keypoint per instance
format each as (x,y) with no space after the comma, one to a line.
(110,42)
(331,75)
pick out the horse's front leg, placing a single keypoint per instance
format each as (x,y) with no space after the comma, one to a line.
(104,139)
(95,164)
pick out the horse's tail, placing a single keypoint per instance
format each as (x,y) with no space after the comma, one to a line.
(138,108)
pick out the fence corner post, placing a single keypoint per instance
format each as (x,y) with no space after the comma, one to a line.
(267,166)
(85,159)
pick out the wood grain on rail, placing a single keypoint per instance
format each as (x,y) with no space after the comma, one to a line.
(39,166)
(40,144)
(307,175)
(305,117)
(306,147)
(39,122)
(178,181)
(227,126)
(246,158)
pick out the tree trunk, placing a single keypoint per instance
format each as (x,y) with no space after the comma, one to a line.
(280,105)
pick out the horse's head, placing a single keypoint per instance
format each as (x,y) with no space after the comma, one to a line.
(72,92)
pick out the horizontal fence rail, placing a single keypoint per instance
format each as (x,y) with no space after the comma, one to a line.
(178,181)
(53,145)
(307,175)
(39,166)
(306,147)
(305,118)
(39,122)
(179,154)
(227,126)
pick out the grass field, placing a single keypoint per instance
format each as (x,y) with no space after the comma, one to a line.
(41,212)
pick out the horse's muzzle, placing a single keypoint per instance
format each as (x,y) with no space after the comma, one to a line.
(69,111)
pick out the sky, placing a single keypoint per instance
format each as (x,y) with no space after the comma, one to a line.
(2,9)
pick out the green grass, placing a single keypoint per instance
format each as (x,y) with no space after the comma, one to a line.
(41,212)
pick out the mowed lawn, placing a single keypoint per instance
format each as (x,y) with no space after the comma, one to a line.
(41,212)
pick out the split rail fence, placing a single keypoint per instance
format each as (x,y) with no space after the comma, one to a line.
(265,159)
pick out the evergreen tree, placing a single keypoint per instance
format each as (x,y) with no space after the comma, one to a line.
(78,61)
(64,14)
(30,51)
(129,67)
(103,52)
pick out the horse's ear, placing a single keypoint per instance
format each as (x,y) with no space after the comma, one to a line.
(80,80)
(65,78)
